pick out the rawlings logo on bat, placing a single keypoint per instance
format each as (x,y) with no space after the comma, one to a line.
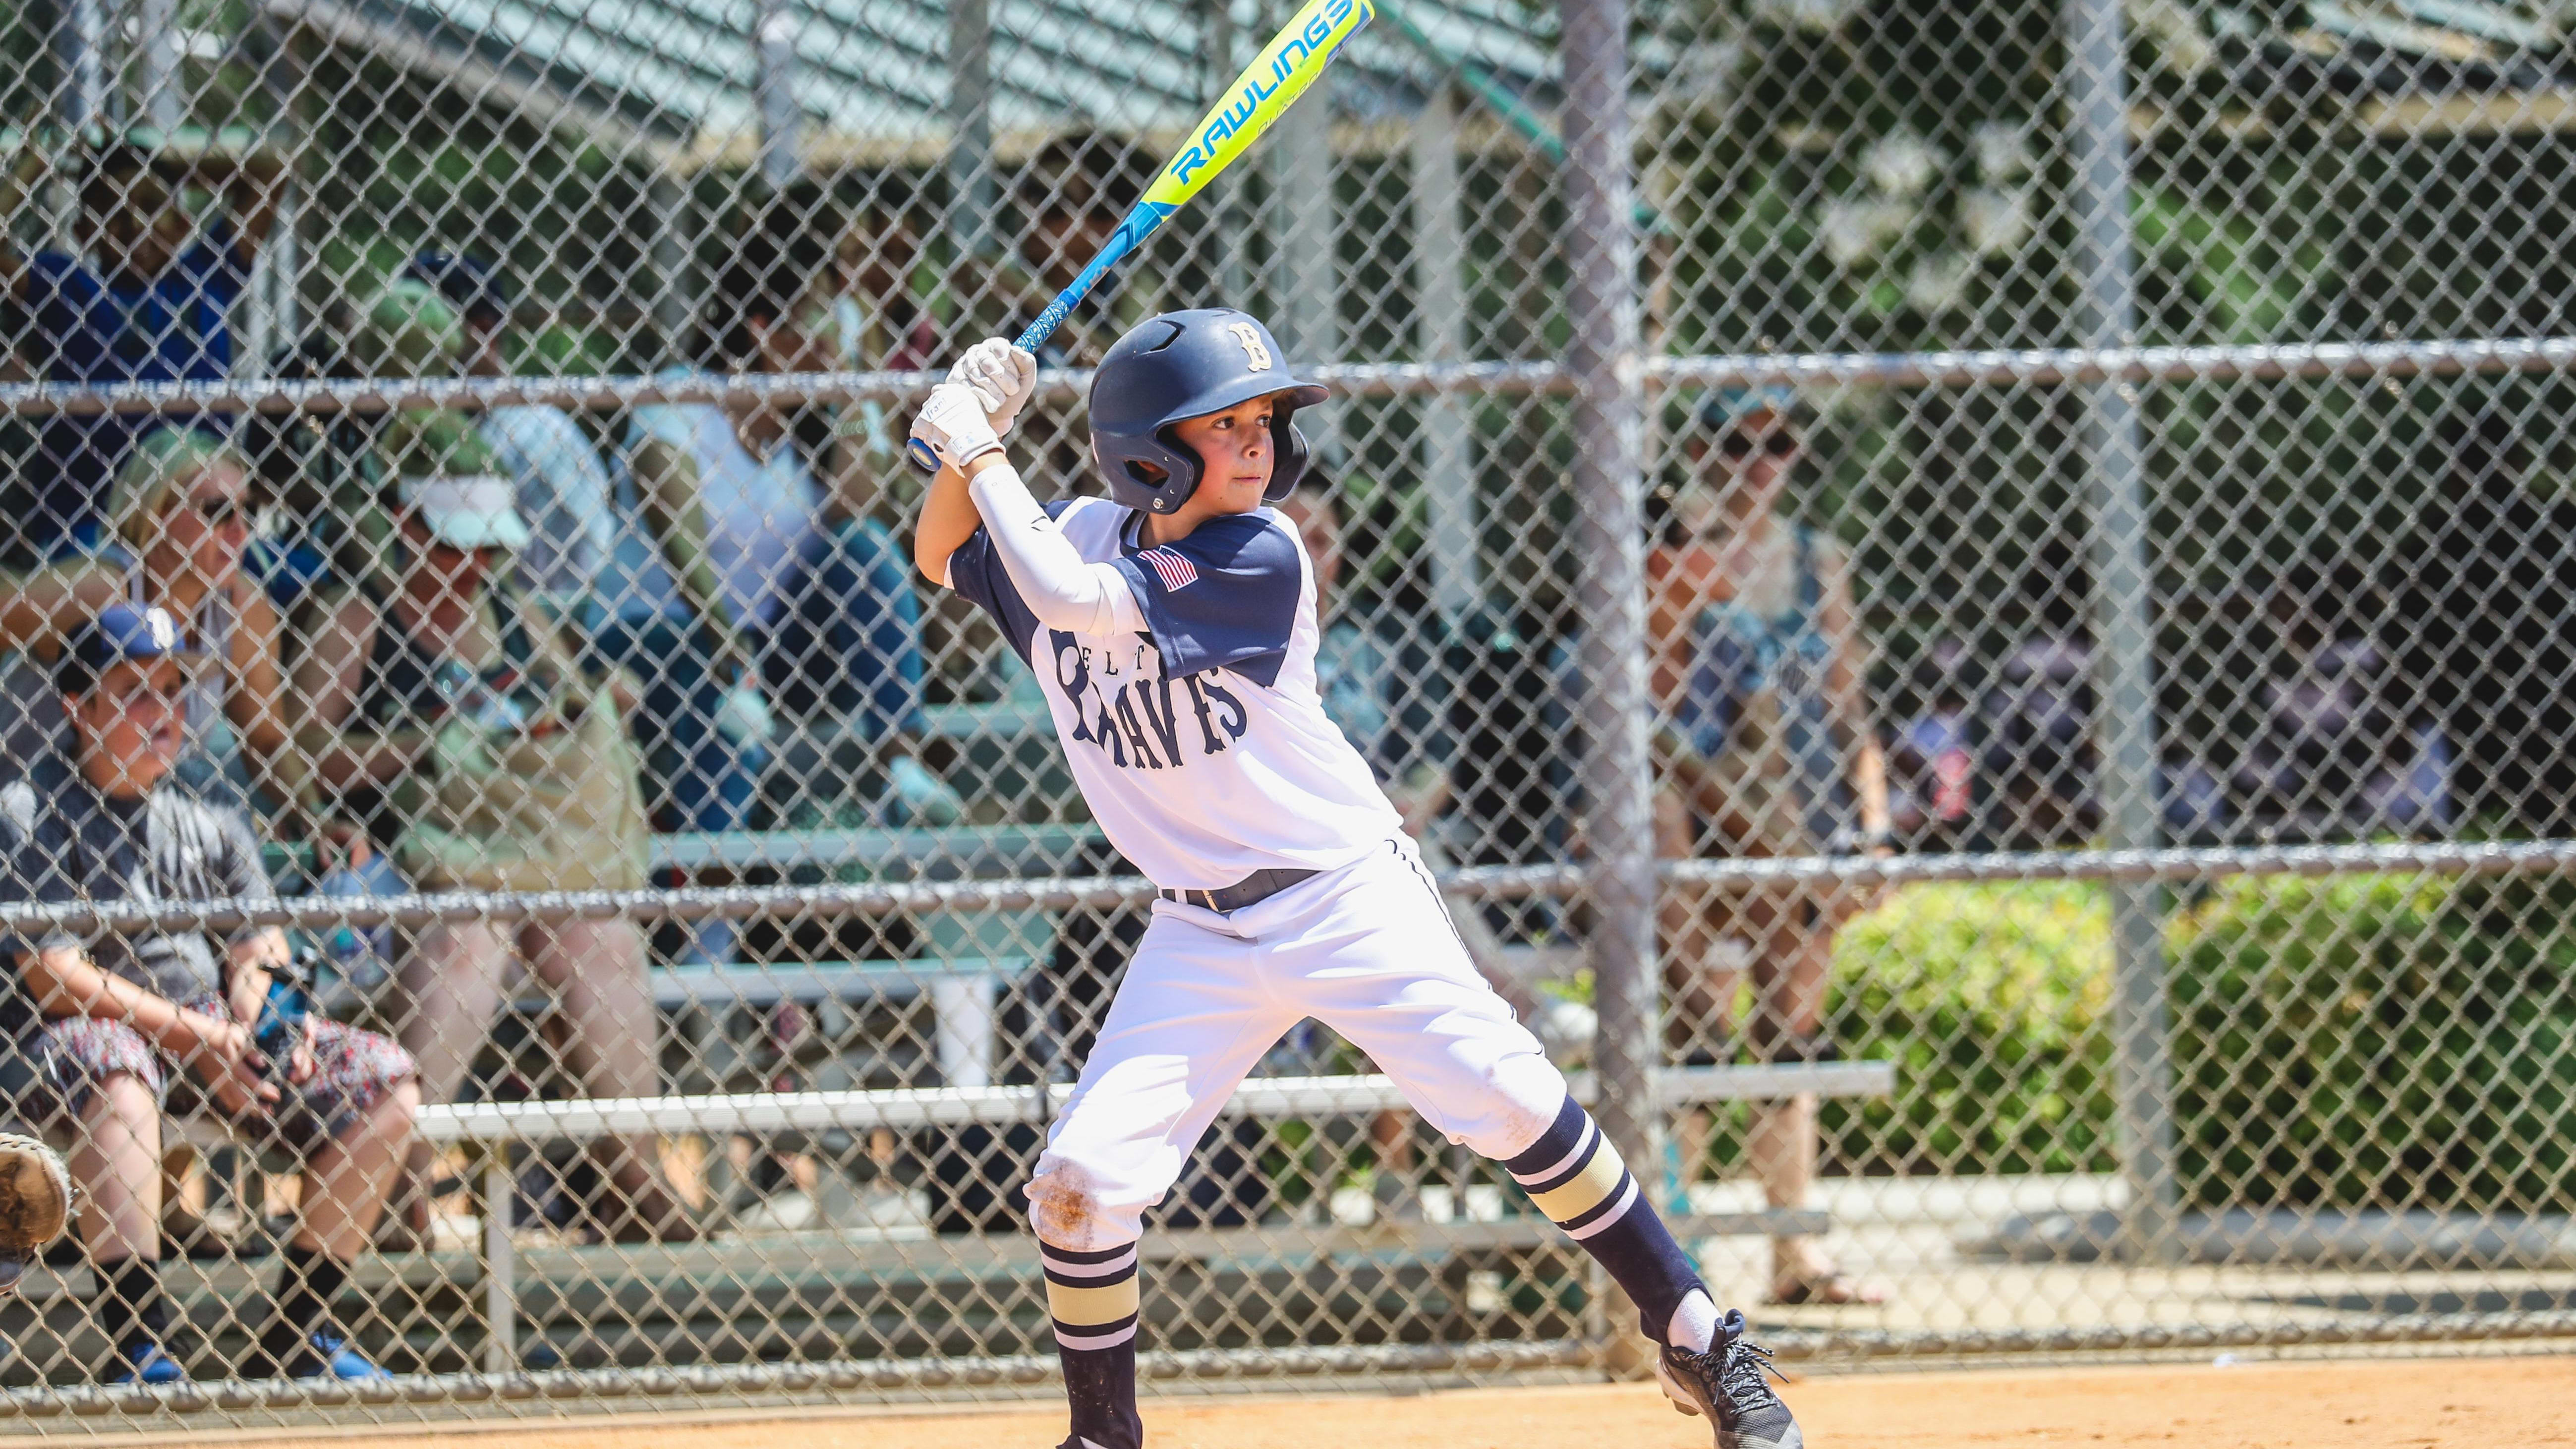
(1310,45)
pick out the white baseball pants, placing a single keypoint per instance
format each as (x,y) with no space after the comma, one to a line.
(1368,950)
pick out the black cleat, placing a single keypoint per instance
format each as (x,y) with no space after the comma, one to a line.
(1731,1385)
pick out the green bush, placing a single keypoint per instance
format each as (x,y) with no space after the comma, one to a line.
(2376,1041)
(2360,1041)
(1990,1000)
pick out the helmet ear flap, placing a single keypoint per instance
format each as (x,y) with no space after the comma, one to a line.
(1131,468)
(1182,471)
(1293,456)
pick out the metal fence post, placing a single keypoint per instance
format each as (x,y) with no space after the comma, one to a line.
(156,49)
(782,120)
(79,44)
(971,187)
(500,1266)
(2098,105)
(1440,323)
(1600,252)
(675,255)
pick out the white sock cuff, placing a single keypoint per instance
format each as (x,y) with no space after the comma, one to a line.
(1694,1324)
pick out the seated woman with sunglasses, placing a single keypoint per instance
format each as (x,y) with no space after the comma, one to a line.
(178,525)
(1764,748)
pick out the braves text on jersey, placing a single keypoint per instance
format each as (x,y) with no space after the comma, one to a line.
(1201,745)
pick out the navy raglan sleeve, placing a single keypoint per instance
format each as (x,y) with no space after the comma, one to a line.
(1223,598)
(975,571)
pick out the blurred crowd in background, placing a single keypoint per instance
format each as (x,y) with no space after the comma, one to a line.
(701,619)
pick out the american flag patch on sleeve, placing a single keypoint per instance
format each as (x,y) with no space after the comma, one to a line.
(1177,572)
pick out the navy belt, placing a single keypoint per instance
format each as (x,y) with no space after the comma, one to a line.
(1252,890)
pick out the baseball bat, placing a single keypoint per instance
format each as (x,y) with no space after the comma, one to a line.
(1262,94)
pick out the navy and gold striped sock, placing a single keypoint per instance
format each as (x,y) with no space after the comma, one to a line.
(1092,1297)
(1576,1178)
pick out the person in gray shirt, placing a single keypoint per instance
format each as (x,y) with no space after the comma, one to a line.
(103,1022)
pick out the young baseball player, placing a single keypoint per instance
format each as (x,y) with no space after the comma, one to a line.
(1172,627)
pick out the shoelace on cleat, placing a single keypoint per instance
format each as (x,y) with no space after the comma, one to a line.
(1746,1372)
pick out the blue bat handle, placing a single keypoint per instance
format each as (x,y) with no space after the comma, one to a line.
(1140,224)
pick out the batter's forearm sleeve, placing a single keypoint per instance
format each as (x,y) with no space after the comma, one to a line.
(1059,588)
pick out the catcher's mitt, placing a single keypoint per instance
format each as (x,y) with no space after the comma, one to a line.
(35,1203)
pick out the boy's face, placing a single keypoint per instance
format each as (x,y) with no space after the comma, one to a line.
(1236,454)
(131,725)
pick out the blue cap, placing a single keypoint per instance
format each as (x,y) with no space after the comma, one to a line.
(119,633)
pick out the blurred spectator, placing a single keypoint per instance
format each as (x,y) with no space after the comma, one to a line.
(319,474)
(2038,782)
(178,521)
(2331,758)
(1932,770)
(869,308)
(2486,610)
(871,297)
(1075,191)
(452,724)
(1757,668)
(1383,687)
(154,308)
(18,433)
(2040,765)
(101,1023)
(824,604)
(563,486)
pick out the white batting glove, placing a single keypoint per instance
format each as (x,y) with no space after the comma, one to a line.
(952,425)
(1004,376)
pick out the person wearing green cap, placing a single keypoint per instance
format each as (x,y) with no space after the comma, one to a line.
(411,689)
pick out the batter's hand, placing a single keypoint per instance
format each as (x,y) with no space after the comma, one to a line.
(1004,378)
(952,424)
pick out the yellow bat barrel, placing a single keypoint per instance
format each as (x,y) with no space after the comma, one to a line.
(1268,87)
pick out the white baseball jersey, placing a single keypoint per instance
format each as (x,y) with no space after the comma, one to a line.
(1201,745)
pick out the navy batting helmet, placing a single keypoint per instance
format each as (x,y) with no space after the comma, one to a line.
(1186,365)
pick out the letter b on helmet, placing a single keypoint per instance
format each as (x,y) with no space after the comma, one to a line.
(1256,347)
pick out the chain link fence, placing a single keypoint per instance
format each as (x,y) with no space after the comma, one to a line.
(1980,636)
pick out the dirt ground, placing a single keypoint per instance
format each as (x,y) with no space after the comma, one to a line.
(2379,1404)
